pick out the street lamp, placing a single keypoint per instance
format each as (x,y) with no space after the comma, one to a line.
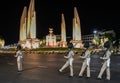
(95,31)
(96,38)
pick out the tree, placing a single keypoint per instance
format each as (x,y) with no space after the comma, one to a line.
(110,36)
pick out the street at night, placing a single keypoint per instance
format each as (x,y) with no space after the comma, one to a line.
(43,68)
(39,39)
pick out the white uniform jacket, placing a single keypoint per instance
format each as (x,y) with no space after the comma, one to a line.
(86,57)
(19,55)
(70,57)
(106,58)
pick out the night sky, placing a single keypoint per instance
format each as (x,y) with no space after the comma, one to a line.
(97,14)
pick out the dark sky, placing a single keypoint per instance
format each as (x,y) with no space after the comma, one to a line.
(96,14)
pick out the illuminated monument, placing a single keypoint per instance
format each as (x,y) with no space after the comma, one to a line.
(76,29)
(50,39)
(63,42)
(23,27)
(28,27)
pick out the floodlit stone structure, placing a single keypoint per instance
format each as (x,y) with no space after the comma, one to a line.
(63,42)
(76,30)
(28,27)
(2,42)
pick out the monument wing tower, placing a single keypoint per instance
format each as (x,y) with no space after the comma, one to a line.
(23,25)
(63,42)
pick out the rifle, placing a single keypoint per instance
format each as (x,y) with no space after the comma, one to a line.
(69,50)
(105,53)
(83,53)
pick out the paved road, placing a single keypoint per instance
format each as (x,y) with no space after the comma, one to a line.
(42,68)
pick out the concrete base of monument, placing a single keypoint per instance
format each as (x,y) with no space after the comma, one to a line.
(77,43)
(31,43)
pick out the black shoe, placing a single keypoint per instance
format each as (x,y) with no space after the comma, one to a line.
(98,78)
(70,76)
(107,79)
(20,70)
(80,76)
(87,77)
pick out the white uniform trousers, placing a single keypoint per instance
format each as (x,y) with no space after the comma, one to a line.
(19,63)
(84,66)
(107,67)
(69,62)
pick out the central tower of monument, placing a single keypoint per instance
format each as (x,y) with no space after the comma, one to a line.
(76,29)
(31,21)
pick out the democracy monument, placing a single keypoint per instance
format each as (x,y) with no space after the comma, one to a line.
(27,35)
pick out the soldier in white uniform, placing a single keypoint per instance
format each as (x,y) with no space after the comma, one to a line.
(86,62)
(69,61)
(106,62)
(19,56)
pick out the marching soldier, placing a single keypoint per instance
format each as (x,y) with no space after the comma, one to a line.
(19,56)
(106,63)
(69,61)
(86,62)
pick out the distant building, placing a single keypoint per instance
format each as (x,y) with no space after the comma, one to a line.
(99,35)
(110,31)
(87,38)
